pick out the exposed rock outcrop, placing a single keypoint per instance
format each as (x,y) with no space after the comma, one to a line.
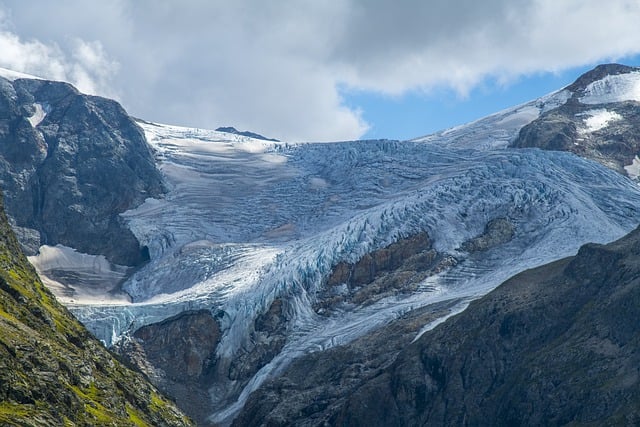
(397,268)
(496,232)
(315,386)
(69,165)
(177,355)
(554,345)
(613,139)
(231,129)
(52,371)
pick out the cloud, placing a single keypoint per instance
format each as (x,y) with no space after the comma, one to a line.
(87,65)
(277,67)
(394,49)
(91,69)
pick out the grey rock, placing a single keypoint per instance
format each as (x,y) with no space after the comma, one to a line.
(559,129)
(71,175)
(397,268)
(315,386)
(177,355)
(496,232)
(231,129)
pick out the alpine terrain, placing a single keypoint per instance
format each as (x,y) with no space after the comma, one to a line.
(52,371)
(260,282)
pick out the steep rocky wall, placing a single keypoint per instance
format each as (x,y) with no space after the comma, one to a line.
(178,355)
(70,164)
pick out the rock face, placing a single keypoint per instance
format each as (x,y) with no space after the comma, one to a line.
(496,232)
(231,129)
(607,133)
(69,165)
(178,354)
(552,346)
(315,386)
(397,268)
(52,371)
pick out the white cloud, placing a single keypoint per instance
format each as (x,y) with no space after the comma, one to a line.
(394,49)
(276,67)
(91,70)
(86,66)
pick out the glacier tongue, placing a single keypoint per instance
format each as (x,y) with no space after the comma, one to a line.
(249,221)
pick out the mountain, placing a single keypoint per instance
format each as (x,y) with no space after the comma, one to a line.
(555,345)
(253,257)
(52,371)
(231,129)
(600,120)
(69,165)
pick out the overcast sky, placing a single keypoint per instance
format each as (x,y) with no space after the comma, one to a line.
(316,70)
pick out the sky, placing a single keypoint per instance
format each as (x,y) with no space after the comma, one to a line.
(314,70)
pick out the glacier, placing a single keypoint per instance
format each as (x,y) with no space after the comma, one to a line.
(248,221)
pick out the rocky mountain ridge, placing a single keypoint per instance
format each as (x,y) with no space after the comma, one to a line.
(592,124)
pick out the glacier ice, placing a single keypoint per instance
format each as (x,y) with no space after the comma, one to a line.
(248,221)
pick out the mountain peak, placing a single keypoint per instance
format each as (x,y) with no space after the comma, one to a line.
(598,73)
(231,129)
(12,75)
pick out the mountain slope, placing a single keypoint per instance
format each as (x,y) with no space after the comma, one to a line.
(52,371)
(554,345)
(600,120)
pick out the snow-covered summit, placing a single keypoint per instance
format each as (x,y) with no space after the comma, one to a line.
(613,88)
(608,83)
(14,75)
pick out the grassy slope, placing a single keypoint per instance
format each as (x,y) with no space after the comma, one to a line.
(52,371)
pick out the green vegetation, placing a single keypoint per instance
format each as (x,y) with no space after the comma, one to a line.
(52,371)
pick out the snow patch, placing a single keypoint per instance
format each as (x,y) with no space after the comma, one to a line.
(618,88)
(60,256)
(15,75)
(633,170)
(39,114)
(499,129)
(318,183)
(598,119)
(87,278)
